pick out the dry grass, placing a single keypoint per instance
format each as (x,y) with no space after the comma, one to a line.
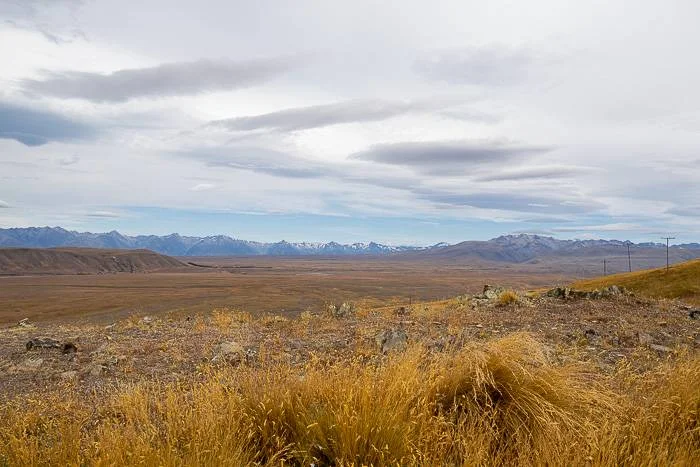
(681,281)
(507,297)
(503,402)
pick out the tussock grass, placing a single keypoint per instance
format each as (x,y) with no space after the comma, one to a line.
(503,402)
(507,297)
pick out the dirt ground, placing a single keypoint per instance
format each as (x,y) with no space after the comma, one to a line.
(173,346)
(286,286)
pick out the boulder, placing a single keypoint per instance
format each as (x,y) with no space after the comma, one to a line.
(491,292)
(391,340)
(694,314)
(233,353)
(43,343)
(342,310)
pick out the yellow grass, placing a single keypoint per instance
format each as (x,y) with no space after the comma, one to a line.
(498,403)
(681,281)
(507,297)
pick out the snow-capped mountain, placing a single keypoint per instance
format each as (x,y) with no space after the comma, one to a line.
(177,245)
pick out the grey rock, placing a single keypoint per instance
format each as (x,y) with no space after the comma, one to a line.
(342,310)
(391,340)
(644,338)
(661,348)
(233,353)
(693,314)
(43,343)
(491,292)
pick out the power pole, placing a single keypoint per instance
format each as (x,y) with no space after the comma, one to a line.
(667,239)
(629,257)
(605,267)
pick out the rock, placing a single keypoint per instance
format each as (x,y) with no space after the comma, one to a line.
(644,338)
(342,310)
(43,343)
(694,314)
(391,339)
(69,347)
(491,292)
(592,336)
(660,348)
(147,320)
(234,354)
(24,323)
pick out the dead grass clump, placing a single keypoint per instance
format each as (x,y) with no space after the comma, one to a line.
(507,297)
(503,403)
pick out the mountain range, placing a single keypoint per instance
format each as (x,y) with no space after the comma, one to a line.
(508,248)
(179,245)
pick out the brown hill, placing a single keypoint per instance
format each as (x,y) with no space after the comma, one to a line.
(22,261)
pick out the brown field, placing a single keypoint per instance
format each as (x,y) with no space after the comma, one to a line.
(285,286)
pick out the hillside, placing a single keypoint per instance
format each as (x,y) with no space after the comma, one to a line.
(20,261)
(681,281)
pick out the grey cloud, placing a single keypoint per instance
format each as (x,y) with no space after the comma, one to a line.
(259,160)
(317,116)
(3,205)
(74,159)
(528,173)
(445,157)
(511,202)
(37,127)
(103,214)
(685,211)
(488,65)
(170,79)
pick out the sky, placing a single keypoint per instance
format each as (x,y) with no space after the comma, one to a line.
(401,122)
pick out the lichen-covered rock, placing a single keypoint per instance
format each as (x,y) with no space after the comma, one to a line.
(341,311)
(392,340)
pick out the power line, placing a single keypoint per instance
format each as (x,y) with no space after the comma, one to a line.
(667,239)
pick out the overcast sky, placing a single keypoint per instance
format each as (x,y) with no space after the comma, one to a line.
(403,122)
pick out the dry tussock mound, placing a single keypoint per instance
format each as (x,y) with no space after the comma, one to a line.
(501,402)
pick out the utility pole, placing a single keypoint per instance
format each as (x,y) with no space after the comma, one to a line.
(629,257)
(667,239)
(605,267)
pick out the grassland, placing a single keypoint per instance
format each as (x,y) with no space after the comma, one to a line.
(680,281)
(531,381)
(286,286)
(520,378)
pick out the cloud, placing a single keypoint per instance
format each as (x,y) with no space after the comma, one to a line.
(170,79)
(202,187)
(511,202)
(446,157)
(74,159)
(317,116)
(261,160)
(527,173)
(483,66)
(4,205)
(37,127)
(687,211)
(614,227)
(103,214)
